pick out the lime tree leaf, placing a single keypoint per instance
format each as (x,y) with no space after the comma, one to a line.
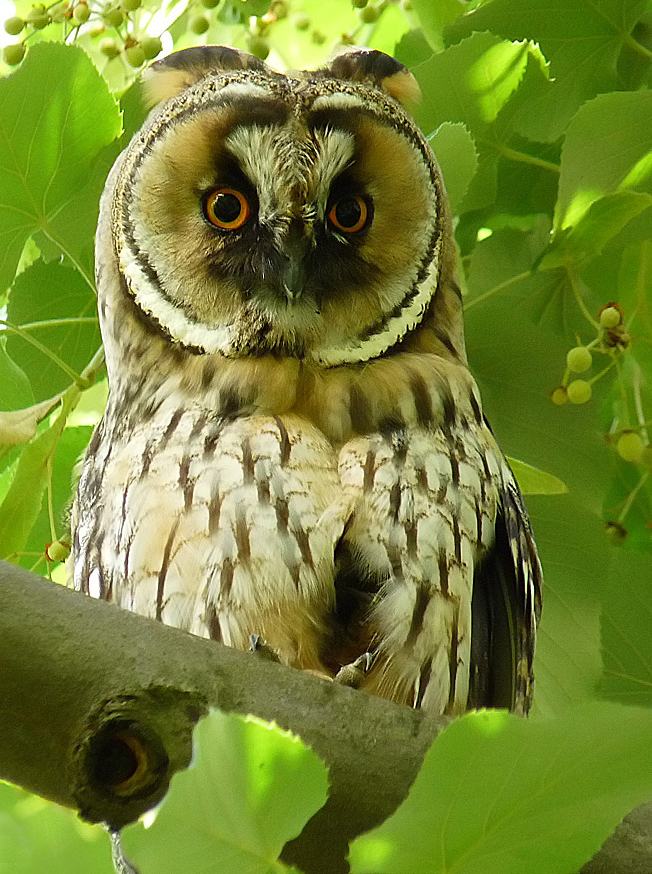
(620,156)
(580,40)
(533,481)
(60,310)
(56,114)
(38,836)
(626,622)
(475,83)
(15,388)
(498,794)
(250,788)
(455,150)
(433,18)
(19,426)
(22,502)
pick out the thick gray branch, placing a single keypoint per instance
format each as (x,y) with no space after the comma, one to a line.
(82,681)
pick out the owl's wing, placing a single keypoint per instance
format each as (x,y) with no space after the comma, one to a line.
(506,607)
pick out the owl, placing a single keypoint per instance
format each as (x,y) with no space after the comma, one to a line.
(293,446)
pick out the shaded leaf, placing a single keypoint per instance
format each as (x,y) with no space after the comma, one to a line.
(19,426)
(498,794)
(455,151)
(250,788)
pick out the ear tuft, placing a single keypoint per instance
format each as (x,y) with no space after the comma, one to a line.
(171,75)
(375,68)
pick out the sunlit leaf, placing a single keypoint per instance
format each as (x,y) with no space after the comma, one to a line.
(533,481)
(498,794)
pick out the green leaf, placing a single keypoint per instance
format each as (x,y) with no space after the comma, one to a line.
(455,150)
(533,481)
(619,157)
(37,836)
(498,794)
(434,17)
(580,40)
(56,114)
(250,789)
(15,389)
(19,426)
(626,621)
(60,309)
(22,502)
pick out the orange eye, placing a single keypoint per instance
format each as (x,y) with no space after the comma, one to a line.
(227,209)
(349,214)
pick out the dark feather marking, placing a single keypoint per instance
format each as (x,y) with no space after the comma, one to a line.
(457,537)
(285,446)
(421,601)
(226,578)
(186,484)
(214,510)
(455,468)
(411,531)
(475,406)
(165,566)
(442,491)
(452,663)
(282,515)
(304,546)
(424,680)
(248,471)
(442,561)
(213,623)
(198,427)
(395,500)
(478,523)
(210,441)
(262,484)
(171,428)
(362,420)
(422,480)
(422,399)
(446,341)
(242,536)
(369,471)
(148,455)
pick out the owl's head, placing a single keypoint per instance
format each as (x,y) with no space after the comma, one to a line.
(299,215)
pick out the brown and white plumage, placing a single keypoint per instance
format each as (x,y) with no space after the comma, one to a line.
(293,444)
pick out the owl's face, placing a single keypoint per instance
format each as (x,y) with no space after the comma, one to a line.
(297,215)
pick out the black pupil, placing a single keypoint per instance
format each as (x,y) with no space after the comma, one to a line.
(348,212)
(226,208)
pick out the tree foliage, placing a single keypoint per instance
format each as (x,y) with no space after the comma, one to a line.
(541,117)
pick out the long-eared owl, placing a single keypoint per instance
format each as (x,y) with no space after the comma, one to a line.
(293,445)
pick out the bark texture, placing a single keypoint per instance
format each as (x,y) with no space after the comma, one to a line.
(85,686)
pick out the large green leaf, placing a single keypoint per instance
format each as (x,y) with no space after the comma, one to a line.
(581,40)
(498,794)
(56,114)
(250,789)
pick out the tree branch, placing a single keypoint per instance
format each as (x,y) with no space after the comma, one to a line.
(84,683)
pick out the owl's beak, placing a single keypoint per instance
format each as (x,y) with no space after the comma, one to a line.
(293,272)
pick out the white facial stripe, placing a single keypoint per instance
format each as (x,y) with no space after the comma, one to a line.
(174,319)
(253,146)
(336,150)
(396,328)
(338,100)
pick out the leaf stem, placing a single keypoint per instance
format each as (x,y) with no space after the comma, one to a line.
(572,279)
(497,289)
(632,495)
(634,44)
(524,157)
(85,276)
(57,323)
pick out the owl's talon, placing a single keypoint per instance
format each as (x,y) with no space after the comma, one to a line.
(354,673)
(262,648)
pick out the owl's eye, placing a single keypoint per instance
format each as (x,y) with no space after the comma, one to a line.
(227,209)
(349,214)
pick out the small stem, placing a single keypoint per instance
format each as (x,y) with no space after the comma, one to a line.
(53,527)
(602,372)
(498,288)
(524,157)
(85,276)
(623,395)
(632,495)
(572,279)
(16,329)
(57,323)
(634,44)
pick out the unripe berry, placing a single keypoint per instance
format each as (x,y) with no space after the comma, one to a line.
(131,5)
(615,532)
(559,396)
(630,446)
(199,24)
(258,46)
(151,46)
(318,37)
(14,25)
(359,4)
(209,4)
(301,21)
(14,54)
(38,18)
(610,317)
(113,17)
(579,359)
(109,47)
(134,55)
(369,14)
(81,12)
(579,391)
(57,551)
(59,13)
(279,9)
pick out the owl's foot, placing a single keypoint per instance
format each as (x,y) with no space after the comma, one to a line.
(354,673)
(262,648)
